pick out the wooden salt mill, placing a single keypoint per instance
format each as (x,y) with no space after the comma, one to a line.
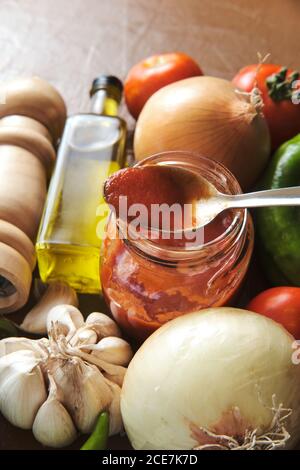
(31,122)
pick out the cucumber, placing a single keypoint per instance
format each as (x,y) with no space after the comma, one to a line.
(278,228)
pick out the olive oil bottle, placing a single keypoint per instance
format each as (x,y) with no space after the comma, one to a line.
(72,227)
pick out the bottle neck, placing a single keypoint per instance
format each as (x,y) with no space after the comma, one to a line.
(104,103)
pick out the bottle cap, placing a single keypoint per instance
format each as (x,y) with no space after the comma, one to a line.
(107,81)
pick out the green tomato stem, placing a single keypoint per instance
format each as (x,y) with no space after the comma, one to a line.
(280,85)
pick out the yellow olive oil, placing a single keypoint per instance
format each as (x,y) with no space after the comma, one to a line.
(72,227)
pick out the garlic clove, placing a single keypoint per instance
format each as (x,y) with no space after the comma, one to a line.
(114,409)
(68,319)
(22,388)
(53,425)
(103,325)
(113,350)
(9,345)
(112,371)
(17,361)
(116,377)
(57,293)
(84,335)
(84,391)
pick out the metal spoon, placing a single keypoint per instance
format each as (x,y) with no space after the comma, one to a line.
(209,207)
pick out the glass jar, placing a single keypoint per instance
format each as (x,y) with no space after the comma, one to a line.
(146,284)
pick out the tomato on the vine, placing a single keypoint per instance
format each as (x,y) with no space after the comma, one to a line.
(279,88)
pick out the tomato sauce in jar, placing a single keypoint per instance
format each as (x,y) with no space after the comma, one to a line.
(147,282)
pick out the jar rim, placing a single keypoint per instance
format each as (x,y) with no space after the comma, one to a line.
(226,240)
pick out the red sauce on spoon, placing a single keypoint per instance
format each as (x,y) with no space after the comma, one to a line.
(161,184)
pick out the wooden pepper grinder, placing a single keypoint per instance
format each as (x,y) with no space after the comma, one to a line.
(31,122)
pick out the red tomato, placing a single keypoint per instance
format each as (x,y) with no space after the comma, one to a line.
(276,85)
(282,304)
(153,73)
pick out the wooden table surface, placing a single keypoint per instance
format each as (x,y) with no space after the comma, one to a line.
(69,42)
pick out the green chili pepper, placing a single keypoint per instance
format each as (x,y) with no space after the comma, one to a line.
(98,439)
(7,328)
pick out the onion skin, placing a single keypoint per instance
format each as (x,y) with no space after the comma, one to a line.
(208,116)
(215,369)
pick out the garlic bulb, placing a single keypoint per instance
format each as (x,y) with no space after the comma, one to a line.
(58,386)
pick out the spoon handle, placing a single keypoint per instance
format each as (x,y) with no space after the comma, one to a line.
(270,197)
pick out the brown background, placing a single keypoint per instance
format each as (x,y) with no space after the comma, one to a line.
(69,42)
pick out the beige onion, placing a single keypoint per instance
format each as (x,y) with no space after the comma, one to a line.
(209,116)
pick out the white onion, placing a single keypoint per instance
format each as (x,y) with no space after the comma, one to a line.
(218,370)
